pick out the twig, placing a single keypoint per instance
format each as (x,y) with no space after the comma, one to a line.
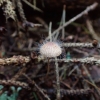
(65,68)
(85,85)
(63,20)
(75,67)
(91,7)
(88,45)
(14,60)
(72,92)
(14,83)
(20,9)
(34,2)
(68,45)
(90,78)
(34,7)
(50,35)
(13,79)
(40,20)
(19,73)
(97,88)
(90,28)
(91,60)
(40,90)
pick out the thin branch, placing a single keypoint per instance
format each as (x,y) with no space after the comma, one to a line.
(37,87)
(20,9)
(14,83)
(72,92)
(14,60)
(68,45)
(90,78)
(87,45)
(87,60)
(19,73)
(91,30)
(89,8)
(34,7)
(63,20)
(50,35)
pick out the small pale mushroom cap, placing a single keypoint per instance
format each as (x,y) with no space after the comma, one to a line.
(50,49)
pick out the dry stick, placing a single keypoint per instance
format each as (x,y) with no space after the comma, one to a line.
(39,96)
(75,68)
(64,17)
(44,24)
(14,78)
(20,10)
(50,35)
(21,13)
(88,45)
(91,84)
(95,44)
(92,60)
(93,96)
(73,92)
(32,6)
(15,83)
(19,73)
(85,85)
(57,34)
(90,78)
(57,78)
(65,68)
(91,7)
(62,22)
(40,90)
(92,32)
(68,45)
(83,45)
(15,60)
(34,2)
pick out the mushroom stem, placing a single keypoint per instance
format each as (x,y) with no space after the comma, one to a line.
(58,97)
(48,68)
